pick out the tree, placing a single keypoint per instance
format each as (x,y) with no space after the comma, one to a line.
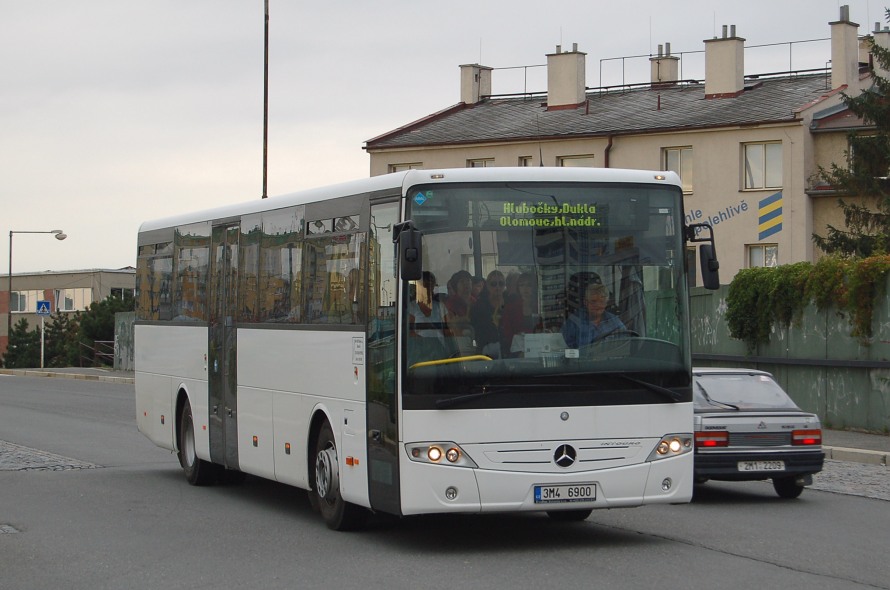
(867,220)
(23,350)
(62,346)
(97,322)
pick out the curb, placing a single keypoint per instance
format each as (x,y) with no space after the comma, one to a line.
(57,375)
(856,455)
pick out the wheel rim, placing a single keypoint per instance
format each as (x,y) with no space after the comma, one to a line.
(188,444)
(326,474)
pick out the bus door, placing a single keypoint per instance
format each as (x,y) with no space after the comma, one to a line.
(383,432)
(222,346)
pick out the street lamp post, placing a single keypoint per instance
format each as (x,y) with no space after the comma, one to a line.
(59,235)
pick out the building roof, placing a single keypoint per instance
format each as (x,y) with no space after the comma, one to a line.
(129,270)
(630,111)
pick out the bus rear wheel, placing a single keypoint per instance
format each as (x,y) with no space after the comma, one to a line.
(337,513)
(197,471)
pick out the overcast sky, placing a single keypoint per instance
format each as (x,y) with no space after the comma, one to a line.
(113,112)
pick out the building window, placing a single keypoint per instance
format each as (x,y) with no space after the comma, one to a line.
(868,156)
(576,161)
(73,299)
(763,165)
(480,163)
(403,167)
(679,160)
(525,161)
(122,293)
(25,301)
(763,255)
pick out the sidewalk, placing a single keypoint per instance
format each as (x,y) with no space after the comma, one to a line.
(85,373)
(860,447)
(839,445)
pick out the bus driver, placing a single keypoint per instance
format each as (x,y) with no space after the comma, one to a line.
(592,322)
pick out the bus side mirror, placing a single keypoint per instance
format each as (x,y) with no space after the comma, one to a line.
(707,253)
(410,250)
(710,266)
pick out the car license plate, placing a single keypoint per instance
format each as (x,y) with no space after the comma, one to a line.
(576,492)
(761,466)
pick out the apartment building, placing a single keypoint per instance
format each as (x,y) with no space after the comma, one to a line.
(66,291)
(747,146)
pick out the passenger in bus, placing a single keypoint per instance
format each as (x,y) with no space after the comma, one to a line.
(521,315)
(511,291)
(485,315)
(592,322)
(478,289)
(427,316)
(457,303)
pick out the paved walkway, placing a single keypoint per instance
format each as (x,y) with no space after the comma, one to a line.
(839,445)
(86,373)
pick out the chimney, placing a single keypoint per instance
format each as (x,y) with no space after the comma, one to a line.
(724,65)
(475,82)
(844,51)
(882,39)
(665,68)
(566,84)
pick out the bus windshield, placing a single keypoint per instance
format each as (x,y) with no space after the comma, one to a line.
(544,294)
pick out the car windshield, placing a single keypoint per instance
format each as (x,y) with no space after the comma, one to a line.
(547,294)
(739,391)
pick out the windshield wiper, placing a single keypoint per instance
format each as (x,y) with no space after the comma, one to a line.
(486,390)
(711,401)
(668,393)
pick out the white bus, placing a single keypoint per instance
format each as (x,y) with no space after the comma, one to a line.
(327,339)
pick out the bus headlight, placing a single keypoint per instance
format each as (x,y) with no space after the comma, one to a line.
(439,453)
(672,445)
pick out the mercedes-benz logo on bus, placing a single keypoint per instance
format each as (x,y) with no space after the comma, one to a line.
(565,455)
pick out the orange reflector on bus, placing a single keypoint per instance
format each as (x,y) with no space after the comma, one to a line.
(287,448)
(256,441)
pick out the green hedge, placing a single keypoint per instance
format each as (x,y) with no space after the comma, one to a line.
(760,298)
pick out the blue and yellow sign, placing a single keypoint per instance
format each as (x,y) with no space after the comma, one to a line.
(769,212)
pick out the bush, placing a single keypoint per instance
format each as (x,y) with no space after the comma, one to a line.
(760,298)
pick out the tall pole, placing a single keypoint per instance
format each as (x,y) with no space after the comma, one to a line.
(9,290)
(266,104)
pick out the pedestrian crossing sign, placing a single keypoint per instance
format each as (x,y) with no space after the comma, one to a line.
(43,308)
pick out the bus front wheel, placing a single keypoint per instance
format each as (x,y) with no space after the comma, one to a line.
(338,514)
(197,471)
(569,515)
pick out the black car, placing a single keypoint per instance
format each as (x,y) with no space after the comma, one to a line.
(747,428)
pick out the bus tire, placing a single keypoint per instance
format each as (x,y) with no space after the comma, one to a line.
(569,515)
(197,471)
(337,513)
